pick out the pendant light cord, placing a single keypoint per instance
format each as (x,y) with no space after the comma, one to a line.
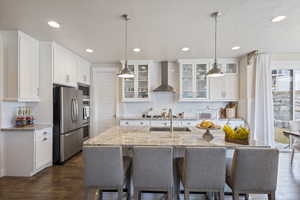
(216,38)
(126,19)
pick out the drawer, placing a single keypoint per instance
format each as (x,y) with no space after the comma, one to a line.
(43,147)
(134,123)
(189,123)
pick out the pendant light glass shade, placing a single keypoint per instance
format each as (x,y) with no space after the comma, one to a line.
(215,71)
(125,72)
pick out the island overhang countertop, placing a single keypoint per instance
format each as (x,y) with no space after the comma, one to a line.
(141,136)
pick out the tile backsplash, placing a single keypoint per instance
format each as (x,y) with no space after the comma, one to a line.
(8,112)
(160,101)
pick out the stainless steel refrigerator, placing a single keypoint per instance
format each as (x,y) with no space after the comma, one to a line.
(67,131)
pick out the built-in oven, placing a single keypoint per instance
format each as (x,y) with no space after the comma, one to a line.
(85,118)
(86,131)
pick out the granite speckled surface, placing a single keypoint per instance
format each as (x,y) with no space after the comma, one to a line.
(134,136)
(29,128)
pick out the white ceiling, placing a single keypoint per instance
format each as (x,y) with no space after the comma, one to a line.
(159,27)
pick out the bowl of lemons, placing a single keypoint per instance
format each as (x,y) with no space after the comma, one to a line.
(238,135)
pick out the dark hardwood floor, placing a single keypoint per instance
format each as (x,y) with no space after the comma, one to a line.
(66,182)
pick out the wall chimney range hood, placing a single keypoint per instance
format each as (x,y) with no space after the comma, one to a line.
(164,87)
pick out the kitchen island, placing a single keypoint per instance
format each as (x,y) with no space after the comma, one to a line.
(142,136)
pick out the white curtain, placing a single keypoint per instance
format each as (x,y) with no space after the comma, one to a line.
(262,118)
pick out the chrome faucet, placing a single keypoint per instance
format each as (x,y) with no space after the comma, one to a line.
(171,120)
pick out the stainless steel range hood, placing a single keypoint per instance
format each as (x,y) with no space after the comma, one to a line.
(164,87)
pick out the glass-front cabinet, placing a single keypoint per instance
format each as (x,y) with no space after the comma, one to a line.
(193,80)
(137,88)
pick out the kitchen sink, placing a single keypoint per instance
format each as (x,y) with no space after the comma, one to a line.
(178,129)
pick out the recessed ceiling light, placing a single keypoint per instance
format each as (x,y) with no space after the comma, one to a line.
(235,48)
(137,50)
(54,24)
(185,49)
(278,18)
(89,50)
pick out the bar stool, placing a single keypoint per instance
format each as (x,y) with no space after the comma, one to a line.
(153,170)
(253,170)
(202,170)
(106,169)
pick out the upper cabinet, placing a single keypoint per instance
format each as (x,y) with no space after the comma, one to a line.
(226,88)
(196,86)
(68,68)
(64,66)
(193,80)
(137,88)
(21,66)
(83,71)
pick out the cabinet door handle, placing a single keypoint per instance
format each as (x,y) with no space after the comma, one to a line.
(126,123)
(45,133)
(142,123)
(45,139)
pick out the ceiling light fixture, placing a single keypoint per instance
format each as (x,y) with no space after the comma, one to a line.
(137,50)
(89,50)
(53,24)
(125,72)
(185,49)
(215,70)
(278,18)
(235,48)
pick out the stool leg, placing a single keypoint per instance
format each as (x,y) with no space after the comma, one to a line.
(186,194)
(292,156)
(271,196)
(120,193)
(221,195)
(246,196)
(137,194)
(170,194)
(236,196)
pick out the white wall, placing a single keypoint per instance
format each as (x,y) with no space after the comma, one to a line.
(286,57)
(1,97)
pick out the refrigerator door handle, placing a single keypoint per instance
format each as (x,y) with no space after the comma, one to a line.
(72,109)
(75,108)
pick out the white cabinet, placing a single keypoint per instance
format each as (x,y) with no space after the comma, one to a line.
(196,86)
(64,66)
(134,123)
(226,88)
(137,88)
(27,152)
(43,147)
(193,80)
(83,71)
(21,66)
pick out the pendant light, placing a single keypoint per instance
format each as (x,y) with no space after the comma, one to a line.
(125,72)
(216,70)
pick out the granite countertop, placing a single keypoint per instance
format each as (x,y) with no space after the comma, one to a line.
(132,136)
(29,128)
